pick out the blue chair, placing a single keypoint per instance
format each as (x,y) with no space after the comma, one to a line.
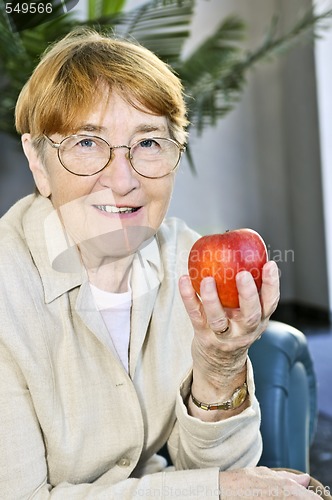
(287,392)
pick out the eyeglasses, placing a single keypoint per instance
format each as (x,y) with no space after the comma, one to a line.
(85,155)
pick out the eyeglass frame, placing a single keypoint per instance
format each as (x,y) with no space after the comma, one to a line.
(57,145)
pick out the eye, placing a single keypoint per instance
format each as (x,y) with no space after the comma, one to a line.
(148,143)
(86,143)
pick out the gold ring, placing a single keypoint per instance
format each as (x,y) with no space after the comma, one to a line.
(223,331)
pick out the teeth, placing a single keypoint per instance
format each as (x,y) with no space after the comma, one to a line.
(116,210)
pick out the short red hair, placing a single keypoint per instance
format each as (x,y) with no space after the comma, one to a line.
(64,86)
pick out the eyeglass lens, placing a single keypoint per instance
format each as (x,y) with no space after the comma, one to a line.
(150,157)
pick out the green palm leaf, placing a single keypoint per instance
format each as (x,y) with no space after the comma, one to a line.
(215,74)
(101,8)
(160,25)
(204,70)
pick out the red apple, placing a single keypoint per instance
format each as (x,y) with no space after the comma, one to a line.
(223,256)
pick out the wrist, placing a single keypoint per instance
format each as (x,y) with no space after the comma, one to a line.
(219,384)
(226,398)
(220,368)
(235,401)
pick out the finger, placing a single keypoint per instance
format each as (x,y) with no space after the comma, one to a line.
(215,314)
(250,305)
(270,292)
(302,479)
(191,302)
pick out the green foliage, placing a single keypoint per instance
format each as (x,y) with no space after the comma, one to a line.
(205,70)
(214,74)
(101,8)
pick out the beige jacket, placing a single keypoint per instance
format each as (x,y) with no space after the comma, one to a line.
(73,423)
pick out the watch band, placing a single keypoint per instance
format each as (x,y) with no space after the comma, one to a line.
(237,399)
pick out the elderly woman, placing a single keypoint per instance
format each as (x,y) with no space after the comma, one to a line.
(104,342)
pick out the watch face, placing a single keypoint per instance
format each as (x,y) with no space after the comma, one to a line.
(239,396)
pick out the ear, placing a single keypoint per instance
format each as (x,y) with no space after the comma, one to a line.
(37,167)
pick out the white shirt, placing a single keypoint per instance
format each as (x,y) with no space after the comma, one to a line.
(115,310)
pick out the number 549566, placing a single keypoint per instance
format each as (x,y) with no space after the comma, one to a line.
(28,7)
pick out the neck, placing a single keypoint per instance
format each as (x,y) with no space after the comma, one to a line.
(110,276)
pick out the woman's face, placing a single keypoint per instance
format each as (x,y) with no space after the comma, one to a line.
(89,206)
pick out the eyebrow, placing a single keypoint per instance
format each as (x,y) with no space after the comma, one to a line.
(142,127)
(90,127)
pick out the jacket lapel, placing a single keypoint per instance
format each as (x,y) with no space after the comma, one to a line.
(146,278)
(91,317)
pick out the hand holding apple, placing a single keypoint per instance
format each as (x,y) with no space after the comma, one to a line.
(223,256)
(222,337)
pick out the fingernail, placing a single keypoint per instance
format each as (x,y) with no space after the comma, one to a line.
(208,284)
(243,277)
(273,270)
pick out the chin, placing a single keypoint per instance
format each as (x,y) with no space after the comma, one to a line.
(117,244)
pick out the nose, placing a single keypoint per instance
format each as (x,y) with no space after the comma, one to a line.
(119,174)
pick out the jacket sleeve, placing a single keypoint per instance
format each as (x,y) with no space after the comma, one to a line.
(23,466)
(229,444)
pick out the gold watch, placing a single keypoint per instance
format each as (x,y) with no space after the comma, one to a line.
(236,400)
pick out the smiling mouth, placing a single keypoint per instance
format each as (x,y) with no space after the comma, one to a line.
(111,209)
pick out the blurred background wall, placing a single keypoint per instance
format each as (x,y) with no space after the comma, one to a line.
(264,166)
(261,167)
